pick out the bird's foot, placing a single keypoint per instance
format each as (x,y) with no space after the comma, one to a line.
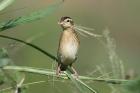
(57,74)
(75,75)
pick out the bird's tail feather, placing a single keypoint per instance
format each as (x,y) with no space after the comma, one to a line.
(63,67)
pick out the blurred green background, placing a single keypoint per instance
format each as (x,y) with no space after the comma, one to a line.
(122,17)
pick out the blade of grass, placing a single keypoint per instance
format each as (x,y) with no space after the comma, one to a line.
(78,83)
(92,90)
(5,3)
(31,45)
(23,85)
(75,82)
(50,72)
(31,17)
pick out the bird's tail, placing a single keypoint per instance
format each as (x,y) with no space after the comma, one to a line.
(63,67)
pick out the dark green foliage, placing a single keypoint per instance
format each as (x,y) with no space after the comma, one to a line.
(1,78)
(8,77)
(132,86)
(4,58)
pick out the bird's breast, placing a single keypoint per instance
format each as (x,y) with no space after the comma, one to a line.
(70,49)
(69,45)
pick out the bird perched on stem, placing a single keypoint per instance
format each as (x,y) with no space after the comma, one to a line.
(68,45)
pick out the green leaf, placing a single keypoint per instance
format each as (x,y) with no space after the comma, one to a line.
(79,84)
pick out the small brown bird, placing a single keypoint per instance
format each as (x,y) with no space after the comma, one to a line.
(68,45)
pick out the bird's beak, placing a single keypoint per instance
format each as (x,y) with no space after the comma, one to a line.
(60,23)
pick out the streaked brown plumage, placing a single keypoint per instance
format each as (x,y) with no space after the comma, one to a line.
(68,45)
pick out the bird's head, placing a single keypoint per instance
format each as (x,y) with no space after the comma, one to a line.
(66,22)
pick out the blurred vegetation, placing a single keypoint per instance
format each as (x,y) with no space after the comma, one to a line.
(108,74)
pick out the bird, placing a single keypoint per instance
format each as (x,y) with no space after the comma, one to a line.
(68,46)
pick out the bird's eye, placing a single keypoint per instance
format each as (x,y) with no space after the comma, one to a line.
(68,20)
